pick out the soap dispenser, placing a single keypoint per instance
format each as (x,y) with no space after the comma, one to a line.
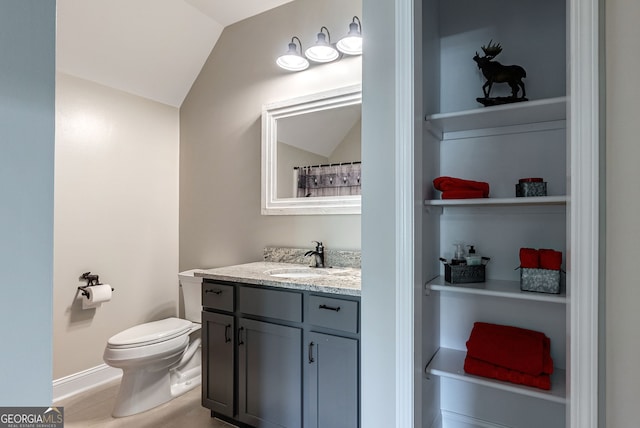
(459,254)
(472,258)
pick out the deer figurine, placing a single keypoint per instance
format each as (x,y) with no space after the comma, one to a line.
(495,72)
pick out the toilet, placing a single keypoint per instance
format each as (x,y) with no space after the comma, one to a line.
(160,360)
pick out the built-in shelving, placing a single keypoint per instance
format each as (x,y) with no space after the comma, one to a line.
(450,363)
(526,112)
(535,200)
(496,288)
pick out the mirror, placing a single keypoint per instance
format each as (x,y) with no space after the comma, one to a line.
(311,154)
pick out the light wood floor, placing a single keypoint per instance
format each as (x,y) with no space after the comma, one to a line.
(93,409)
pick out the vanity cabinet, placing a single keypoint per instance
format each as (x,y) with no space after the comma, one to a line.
(269,367)
(279,357)
(332,364)
(217,331)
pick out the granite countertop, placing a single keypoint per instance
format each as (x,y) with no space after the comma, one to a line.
(337,280)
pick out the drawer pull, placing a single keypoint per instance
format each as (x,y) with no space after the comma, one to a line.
(227,337)
(311,360)
(330,308)
(218,292)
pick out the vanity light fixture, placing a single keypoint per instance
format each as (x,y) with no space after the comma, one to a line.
(351,44)
(292,60)
(322,51)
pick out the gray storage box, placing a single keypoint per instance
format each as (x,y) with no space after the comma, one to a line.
(462,274)
(540,280)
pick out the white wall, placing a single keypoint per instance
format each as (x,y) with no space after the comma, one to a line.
(116,215)
(378,217)
(27,64)
(220,127)
(623,204)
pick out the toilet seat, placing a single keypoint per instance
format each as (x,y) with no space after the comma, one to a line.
(157,352)
(150,333)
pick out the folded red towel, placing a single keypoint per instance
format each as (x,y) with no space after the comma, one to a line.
(523,350)
(529,258)
(550,259)
(462,194)
(482,368)
(451,183)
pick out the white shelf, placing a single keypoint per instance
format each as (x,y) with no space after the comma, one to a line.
(535,200)
(496,288)
(450,363)
(521,113)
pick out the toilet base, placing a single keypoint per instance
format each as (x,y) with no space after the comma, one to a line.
(188,376)
(143,389)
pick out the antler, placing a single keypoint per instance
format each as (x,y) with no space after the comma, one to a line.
(492,50)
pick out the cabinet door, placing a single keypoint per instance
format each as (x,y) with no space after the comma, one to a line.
(217,362)
(331,382)
(269,374)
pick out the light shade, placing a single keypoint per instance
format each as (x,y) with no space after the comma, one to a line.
(292,60)
(351,44)
(322,51)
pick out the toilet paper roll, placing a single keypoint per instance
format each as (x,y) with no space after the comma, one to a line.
(98,294)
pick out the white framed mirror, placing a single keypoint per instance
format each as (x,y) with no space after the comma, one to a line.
(311,162)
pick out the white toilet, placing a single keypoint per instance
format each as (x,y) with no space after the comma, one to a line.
(160,360)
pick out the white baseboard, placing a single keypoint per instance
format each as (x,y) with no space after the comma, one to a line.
(456,420)
(82,381)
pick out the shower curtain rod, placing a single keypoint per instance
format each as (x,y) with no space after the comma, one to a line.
(329,164)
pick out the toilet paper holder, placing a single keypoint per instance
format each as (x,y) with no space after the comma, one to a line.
(92,280)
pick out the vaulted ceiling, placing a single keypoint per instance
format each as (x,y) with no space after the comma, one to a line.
(151,48)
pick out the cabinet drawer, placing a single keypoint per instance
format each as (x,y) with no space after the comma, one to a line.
(278,304)
(333,313)
(217,296)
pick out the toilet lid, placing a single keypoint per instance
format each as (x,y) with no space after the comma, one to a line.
(151,332)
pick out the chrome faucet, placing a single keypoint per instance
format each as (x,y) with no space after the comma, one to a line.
(318,255)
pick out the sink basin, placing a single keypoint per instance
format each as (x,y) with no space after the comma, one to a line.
(301,272)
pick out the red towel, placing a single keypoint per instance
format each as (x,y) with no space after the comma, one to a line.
(529,258)
(482,368)
(550,259)
(514,348)
(451,183)
(462,194)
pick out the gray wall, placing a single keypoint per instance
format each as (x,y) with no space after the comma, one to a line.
(27,88)
(622,207)
(116,215)
(220,221)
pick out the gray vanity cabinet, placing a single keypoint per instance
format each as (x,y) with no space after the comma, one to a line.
(282,358)
(269,368)
(331,381)
(217,364)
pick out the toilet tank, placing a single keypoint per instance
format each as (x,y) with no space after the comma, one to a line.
(192,294)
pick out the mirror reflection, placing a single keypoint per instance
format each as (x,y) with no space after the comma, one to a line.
(318,153)
(311,154)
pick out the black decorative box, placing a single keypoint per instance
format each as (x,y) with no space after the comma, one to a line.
(531,187)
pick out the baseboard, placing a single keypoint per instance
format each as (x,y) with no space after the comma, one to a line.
(456,420)
(82,381)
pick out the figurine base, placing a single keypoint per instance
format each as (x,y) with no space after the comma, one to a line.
(487,102)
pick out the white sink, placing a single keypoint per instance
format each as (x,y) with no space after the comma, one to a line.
(301,272)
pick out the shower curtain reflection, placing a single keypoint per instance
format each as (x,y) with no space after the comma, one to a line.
(341,179)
